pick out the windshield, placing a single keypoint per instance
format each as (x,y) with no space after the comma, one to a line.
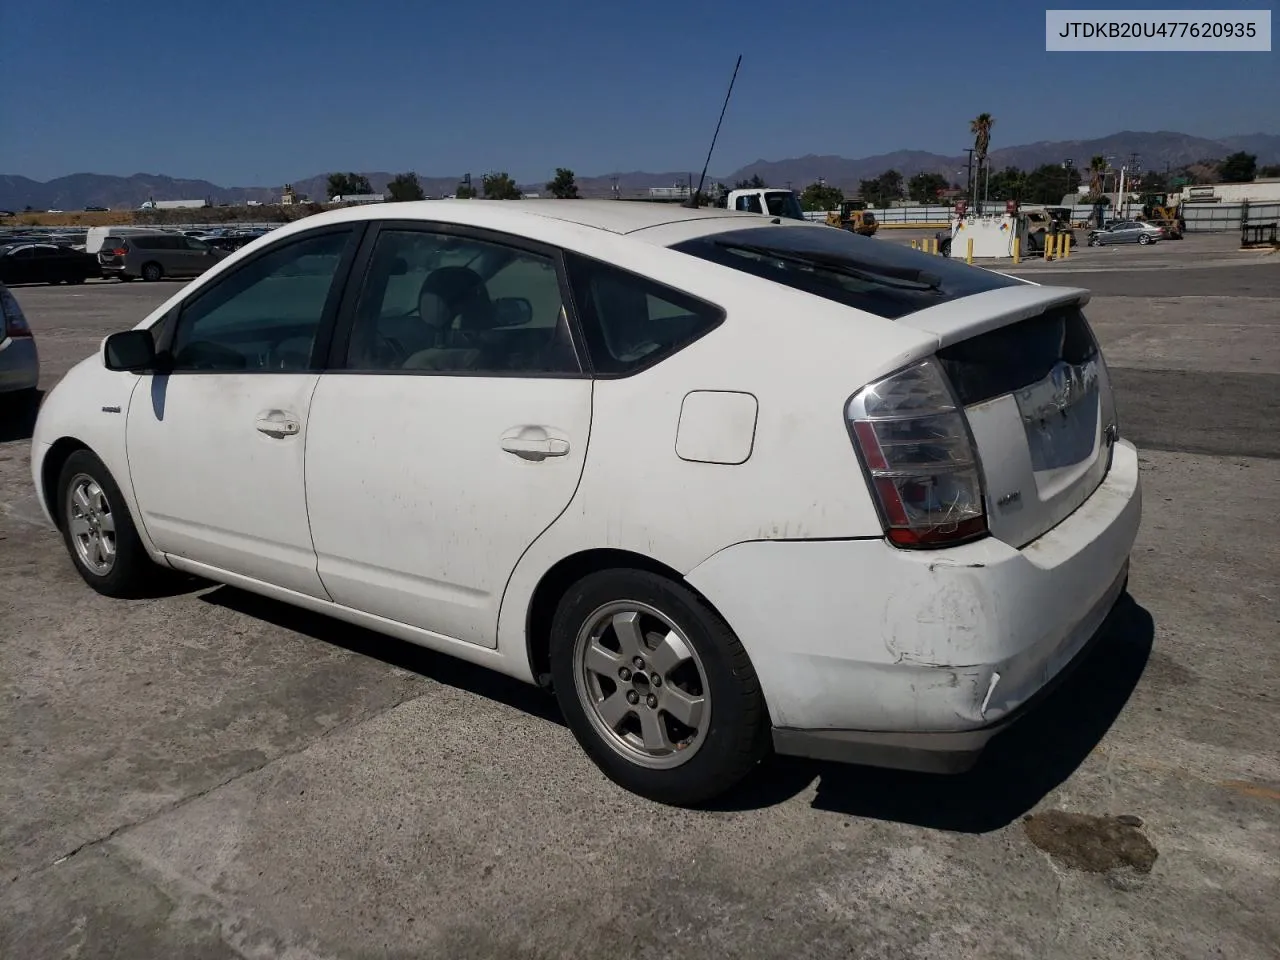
(887,279)
(783,203)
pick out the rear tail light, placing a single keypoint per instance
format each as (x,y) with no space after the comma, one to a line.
(915,444)
(12,322)
(119,251)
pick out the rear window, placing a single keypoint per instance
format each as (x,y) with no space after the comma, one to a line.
(1010,358)
(886,279)
(784,205)
(112,243)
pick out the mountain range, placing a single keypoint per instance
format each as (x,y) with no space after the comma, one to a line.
(1155,150)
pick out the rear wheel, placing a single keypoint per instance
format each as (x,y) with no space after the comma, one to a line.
(99,531)
(656,687)
(1144,240)
(151,272)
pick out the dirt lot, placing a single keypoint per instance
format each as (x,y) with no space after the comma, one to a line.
(211,775)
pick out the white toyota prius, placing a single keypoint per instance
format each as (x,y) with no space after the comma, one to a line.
(725,483)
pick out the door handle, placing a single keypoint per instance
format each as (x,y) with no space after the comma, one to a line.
(278,425)
(535,448)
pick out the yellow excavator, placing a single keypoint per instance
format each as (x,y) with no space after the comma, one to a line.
(1157,210)
(853,215)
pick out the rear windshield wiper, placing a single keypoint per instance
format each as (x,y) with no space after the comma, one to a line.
(897,277)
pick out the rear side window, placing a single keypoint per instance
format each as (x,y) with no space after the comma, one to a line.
(886,279)
(148,243)
(631,322)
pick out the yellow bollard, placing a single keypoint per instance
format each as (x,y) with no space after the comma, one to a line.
(1066,245)
(1049,246)
(968,251)
(928,244)
(1017,249)
(913,245)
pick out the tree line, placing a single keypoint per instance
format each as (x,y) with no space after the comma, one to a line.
(1046,184)
(493,186)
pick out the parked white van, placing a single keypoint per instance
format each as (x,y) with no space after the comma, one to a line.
(93,239)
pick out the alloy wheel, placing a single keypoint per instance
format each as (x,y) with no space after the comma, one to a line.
(642,683)
(92,524)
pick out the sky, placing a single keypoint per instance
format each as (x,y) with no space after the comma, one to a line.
(262,92)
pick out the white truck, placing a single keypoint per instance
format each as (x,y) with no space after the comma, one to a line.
(772,201)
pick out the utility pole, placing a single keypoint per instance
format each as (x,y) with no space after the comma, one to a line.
(968,184)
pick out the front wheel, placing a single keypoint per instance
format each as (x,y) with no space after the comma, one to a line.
(656,687)
(99,531)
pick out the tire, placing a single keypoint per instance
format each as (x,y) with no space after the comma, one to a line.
(151,272)
(129,571)
(603,626)
(1144,240)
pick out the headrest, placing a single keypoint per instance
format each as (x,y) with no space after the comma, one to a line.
(450,292)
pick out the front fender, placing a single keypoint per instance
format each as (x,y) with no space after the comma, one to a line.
(88,408)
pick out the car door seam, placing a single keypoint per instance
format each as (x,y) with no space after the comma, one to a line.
(586,452)
(306,497)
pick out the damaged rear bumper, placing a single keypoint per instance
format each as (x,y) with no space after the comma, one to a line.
(947,751)
(915,659)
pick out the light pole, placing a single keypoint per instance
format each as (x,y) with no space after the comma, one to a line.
(1067,164)
(969,190)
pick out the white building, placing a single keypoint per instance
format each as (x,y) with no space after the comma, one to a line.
(1265,190)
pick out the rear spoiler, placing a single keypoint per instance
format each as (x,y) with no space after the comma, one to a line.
(977,314)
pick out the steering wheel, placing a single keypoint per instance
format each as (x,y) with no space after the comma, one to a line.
(282,356)
(391,351)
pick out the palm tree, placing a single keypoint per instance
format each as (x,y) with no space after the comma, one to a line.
(1097,169)
(980,126)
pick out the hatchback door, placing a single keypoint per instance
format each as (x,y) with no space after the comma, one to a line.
(1036,393)
(451,431)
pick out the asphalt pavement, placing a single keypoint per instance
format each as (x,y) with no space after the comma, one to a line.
(213,775)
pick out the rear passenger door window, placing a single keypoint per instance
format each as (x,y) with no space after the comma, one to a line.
(437,302)
(631,322)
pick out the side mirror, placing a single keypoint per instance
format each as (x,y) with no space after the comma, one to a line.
(512,312)
(133,350)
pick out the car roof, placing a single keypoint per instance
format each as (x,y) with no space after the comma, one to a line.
(614,216)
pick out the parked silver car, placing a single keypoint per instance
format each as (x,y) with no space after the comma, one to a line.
(19,359)
(1127,231)
(153,256)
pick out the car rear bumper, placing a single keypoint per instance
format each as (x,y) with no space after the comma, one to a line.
(914,659)
(19,364)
